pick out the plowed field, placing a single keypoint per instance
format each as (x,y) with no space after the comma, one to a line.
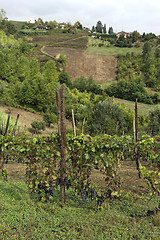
(102,68)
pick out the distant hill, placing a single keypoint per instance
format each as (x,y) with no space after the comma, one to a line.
(18,24)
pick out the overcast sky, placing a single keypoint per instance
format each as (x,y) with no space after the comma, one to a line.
(126,15)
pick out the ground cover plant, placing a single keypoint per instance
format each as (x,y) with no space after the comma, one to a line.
(123,215)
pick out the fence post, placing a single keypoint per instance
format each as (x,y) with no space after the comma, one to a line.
(58,112)
(63,144)
(73,124)
(137,150)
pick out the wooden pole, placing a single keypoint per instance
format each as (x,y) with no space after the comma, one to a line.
(137,150)
(63,145)
(14,128)
(7,125)
(134,130)
(73,124)
(136,121)
(58,112)
(83,124)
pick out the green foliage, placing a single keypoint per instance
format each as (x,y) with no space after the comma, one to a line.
(65,78)
(8,41)
(38,126)
(87,84)
(129,90)
(3,123)
(36,220)
(62,60)
(49,118)
(123,42)
(145,68)
(148,36)
(110,30)
(146,49)
(83,154)
(107,118)
(153,127)
(135,36)
(99,27)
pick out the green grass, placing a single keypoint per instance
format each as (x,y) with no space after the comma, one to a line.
(108,49)
(143,109)
(112,51)
(23,217)
(18,24)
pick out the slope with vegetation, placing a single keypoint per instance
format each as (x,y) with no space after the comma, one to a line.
(105,198)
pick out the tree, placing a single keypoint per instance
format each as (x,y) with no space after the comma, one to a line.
(104,29)
(110,31)
(38,126)
(135,36)
(107,118)
(99,27)
(50,118)
(123,42)
(2,14)
(62,60)
(146,49)
(39,23)
(78,25)
(22,68)
(154,122)
(65,78)
(93,29)
(50,73)
(157,53)
(52,24)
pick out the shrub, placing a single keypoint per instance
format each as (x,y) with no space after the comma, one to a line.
(38,126)
(50,118)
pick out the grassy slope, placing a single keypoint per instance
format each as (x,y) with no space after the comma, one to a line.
(109,50)
(23,217)
(143,109)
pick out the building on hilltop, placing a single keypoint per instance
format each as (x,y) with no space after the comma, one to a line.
(126,35)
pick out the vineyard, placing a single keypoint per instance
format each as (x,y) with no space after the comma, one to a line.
(85,156)
(62,184)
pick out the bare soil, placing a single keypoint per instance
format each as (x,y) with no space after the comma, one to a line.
(102,68)
(127,172)
(26,118)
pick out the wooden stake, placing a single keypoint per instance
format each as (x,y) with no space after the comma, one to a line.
(7,125)
(73,124)
(136,121)
(58,112)
(137,150)
(134,129)
(14,128)
(63,145)
(83,124)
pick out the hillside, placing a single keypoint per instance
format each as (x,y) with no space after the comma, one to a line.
(26,118)
(102,68)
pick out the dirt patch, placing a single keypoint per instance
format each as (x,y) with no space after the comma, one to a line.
(26,118)
(130,179)
(102,68)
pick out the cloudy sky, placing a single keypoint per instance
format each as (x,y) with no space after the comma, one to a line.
(127,15)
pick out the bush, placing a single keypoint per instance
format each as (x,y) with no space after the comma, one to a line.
(50,118)
(38,126)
